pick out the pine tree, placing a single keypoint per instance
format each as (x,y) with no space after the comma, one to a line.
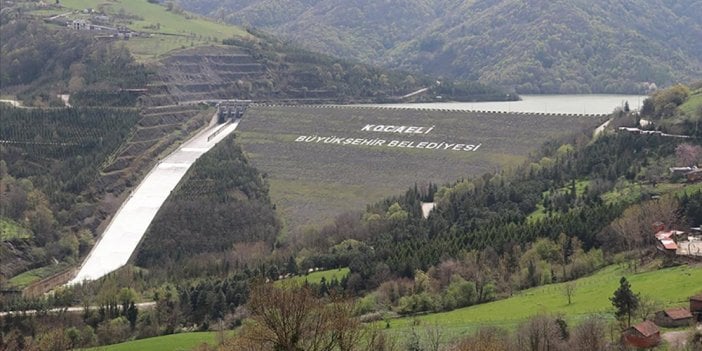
(292,266)
(624,301)
(132,314)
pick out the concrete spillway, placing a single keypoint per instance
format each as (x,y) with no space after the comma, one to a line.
(129,224)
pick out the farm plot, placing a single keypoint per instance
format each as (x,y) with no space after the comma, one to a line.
(314,176)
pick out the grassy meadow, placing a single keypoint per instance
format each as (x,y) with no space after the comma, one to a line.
(316,277)
(671,287)
(175,342)
(171,29)
(314,182)
(693,103)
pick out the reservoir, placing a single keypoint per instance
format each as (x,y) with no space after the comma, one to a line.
(587,104)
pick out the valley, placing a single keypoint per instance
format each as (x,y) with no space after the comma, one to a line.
(350,176)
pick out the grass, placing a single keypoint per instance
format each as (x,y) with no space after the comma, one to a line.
(175,342)
(24,279)
(632,192)
(316,277)
(626,192)
(172,30)
(10,230)
(540,212)
(314,182)
(671,286)
(693,103)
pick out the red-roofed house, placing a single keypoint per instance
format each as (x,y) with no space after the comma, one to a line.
(669,245)
(643,335)
(674,317)
(670,234)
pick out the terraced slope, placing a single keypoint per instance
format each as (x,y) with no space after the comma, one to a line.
(207,73)
(156,131)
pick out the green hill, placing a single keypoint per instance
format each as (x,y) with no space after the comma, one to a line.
(531,46)
(179,56)
(671,287)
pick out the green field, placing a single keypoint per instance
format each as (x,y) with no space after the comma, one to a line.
(540,211)
(10,230)
(31,276)
(170,30)
(312,183)
(175,342)
(671,286)
(316,277)
(693,103)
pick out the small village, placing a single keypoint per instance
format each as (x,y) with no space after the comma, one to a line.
(673,245)
(91,20)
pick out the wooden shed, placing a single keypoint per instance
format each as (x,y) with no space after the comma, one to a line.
(674,317)
(696,306)
(643,335)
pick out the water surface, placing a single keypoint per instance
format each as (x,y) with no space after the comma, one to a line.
(589,104)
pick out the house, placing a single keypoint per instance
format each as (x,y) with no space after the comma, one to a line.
(667,246)
(630,130)
(696,306)
(670,234)
(666,241)
(681,170)
(79,24)
(674,317)
(643,335)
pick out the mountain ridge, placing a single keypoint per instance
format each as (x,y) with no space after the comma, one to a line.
(530,46)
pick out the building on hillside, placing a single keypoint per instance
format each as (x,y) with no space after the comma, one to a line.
(674,317)
(696,307)
(630,130)
(665,242)
(643,335)
(667,246)
(682,170)
(79,24)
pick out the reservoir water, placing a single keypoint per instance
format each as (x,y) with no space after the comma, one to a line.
(589,104)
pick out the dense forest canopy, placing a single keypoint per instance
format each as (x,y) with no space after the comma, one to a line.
(531,46)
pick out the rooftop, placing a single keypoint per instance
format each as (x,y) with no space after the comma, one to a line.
(669,244)
(678,313)
(646,328)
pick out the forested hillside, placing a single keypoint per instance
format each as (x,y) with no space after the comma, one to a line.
(531,46)
(51,181)
(39,61)
(221,201)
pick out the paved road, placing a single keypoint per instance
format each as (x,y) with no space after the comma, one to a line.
(14,103)
(79,309)
(129,224)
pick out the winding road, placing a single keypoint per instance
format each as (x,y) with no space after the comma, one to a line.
(131,221)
